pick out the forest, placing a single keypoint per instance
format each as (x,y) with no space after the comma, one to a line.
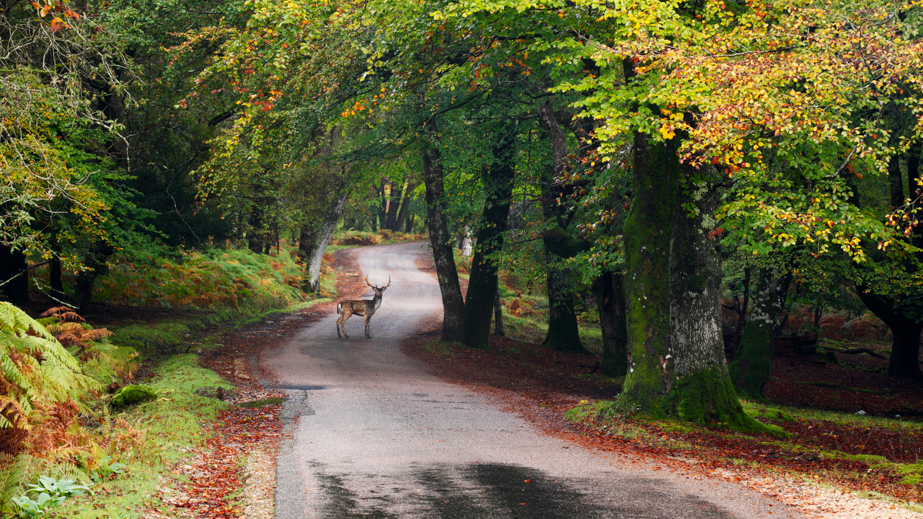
(703,182)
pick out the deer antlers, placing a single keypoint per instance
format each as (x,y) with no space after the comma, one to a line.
(373,286)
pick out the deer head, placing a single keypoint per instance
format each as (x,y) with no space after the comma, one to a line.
(378,290)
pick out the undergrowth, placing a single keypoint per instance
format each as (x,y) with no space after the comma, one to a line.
(122,454)
(213,279)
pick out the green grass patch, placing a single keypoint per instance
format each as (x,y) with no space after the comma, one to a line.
(262,403)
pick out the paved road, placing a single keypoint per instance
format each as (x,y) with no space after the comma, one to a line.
(375,436)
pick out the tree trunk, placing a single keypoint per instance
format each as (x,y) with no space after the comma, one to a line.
(753,359)
(317,247)
(14,275)
(676,364)
(255,235)
(405,206)
(647,255)
(465,242)
(383,206)
(498,315)
(97,265)
(905,331)
(394,201)
(610,300)
(700,390)
(482,284)
(452,303)
(563,331)
(54,278)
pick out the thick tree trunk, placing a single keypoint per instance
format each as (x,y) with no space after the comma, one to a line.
(676,363)
(394,202)
(482,284)
(563,332)
(452,303)
(701,388)
(905,350)
(647,254)
(314,254)
(753,359)
(905,330)
(610,300)
(14,275)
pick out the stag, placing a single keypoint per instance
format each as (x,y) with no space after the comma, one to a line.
(361,307)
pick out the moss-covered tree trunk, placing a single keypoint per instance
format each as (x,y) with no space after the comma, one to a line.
(700,389)
(647,232)
(441,242)
(482,284)
(676,363)
(753,359)
(610,300)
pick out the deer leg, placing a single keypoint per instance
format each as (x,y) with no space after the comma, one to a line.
(342,322)
(368,320)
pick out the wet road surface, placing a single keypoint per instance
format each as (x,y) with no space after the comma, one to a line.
(375,436)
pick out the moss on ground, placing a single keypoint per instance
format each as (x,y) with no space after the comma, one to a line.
(132,395)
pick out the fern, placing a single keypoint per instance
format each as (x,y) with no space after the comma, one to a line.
(12,479)
(38,369)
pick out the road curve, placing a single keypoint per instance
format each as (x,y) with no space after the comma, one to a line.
(372,435)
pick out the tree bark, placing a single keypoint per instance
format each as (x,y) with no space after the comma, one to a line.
(647,255)
(753,359)
(563,331)
(498,315)
(482,284)
(314,254)
(700,389)
(97,265)
(676,363)
(14,275)
(54,278)
(405,206)
(394,202)
(905,330)
(452,303)
(256,238)
(610,300)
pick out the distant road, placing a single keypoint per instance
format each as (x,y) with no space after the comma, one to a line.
(374,436)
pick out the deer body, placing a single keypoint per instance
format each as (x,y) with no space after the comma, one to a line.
(364,307)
